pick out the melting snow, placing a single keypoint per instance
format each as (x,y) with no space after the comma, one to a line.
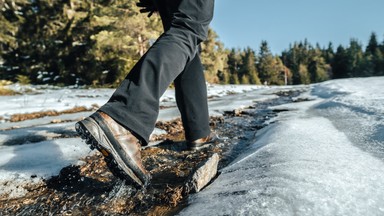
(324,157)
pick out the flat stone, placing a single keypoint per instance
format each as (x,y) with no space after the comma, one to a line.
(203,174)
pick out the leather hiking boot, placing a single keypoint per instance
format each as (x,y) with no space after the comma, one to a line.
(212,138)
(120,148)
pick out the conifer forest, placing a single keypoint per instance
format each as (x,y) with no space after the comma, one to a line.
(97,42)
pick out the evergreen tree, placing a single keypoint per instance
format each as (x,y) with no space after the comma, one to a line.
(378,62)
(381,47)
(271,69)
(12,16)
(233,62)
(98,42)
(293,59)
(248,71)
(340,63)
(318,69)
(355,59)
(304,74)
(214,59)
(373,58)
(123,36)
(284,76)
(265,64)
(328,54)
(93,41)
(372,44)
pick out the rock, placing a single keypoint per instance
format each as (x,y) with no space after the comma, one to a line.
(235,112)
(203,174)
(54,121)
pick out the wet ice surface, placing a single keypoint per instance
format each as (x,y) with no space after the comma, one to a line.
(323,157)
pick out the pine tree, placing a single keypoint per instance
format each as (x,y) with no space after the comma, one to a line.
(304,74)
(271,69)
(328,54)
(318,69)
(340,63)
(233,62)
(234,78)
(378,62)
(93,41)
(374,58)
(123,36)
(248,71)
(214,58)
(372,44)
(284,76)
(292,59)
(12,16)
(265,63)
(355,58)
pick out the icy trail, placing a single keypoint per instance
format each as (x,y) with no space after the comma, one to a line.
(324,157)
(39,149)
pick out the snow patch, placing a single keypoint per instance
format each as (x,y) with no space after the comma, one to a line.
(23,164)
(323,157)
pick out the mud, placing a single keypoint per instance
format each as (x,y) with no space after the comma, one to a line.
(91,189)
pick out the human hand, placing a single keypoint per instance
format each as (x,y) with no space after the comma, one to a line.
(147,6)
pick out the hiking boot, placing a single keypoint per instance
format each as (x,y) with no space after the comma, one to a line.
(120,148)
(212,138)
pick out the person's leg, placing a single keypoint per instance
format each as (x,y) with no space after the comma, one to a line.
(191,98)
(190,87)
(135,104)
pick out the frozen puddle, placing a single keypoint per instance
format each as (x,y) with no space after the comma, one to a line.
(308,163)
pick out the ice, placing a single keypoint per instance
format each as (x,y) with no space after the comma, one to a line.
(323,157)
(323,174)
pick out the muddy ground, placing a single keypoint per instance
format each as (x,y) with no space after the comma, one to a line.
(91,189)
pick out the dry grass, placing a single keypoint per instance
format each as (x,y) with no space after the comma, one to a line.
(35,115)
(6,92)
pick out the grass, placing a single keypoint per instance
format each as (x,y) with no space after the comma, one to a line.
(6,92)
(41,114)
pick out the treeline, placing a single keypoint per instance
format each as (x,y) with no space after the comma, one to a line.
(301,63)
(96,42)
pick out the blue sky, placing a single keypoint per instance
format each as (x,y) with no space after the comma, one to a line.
(242,23)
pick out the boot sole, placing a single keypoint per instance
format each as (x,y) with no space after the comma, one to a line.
(114,162)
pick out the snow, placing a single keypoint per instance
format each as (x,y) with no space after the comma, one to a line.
(43,98)
(30,163)
(324,156)
(35,148)
(51,99)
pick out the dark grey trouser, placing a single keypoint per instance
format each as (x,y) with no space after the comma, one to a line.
(173,57)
